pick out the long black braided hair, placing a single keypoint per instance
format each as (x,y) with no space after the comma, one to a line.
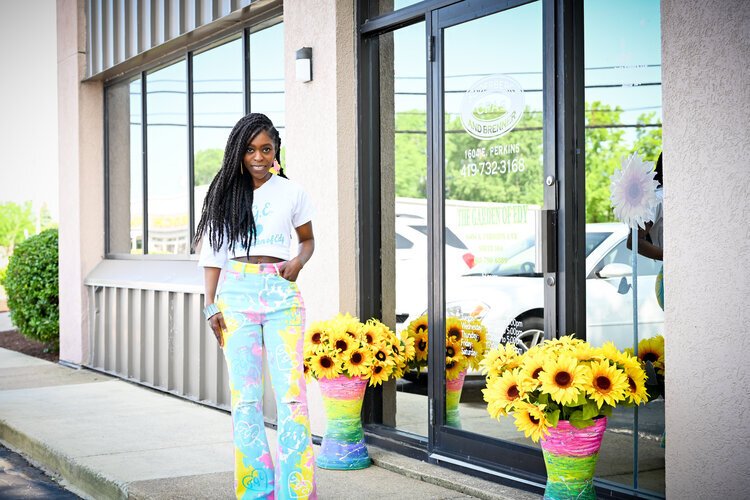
(228,208)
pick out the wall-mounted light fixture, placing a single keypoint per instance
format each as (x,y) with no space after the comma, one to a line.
(303,64)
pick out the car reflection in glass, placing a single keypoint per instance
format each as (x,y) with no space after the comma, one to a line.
(509,296)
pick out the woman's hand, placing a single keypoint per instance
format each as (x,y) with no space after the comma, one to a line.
(290,269)
(216,322)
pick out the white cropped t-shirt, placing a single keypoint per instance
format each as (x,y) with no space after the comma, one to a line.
(279,206)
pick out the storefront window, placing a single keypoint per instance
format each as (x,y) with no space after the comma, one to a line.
(403,157)
(623,116)
(167,172)
(218,101)
(124,133)
(217,105)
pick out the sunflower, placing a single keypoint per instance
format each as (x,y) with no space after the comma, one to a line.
(612,353)
(342,342)
(531,368)
(357,361)
(500,359)
(316,335)
(505,390)
(605,383)
(418,326)
(380,353)
(324,365)
(531,420)
(347,323)
(652,349)
(307,372)
(562,378)
(454,328)
(454,367)
(636,391)
(452,348)
(420,347)
(380,372)
(408,347)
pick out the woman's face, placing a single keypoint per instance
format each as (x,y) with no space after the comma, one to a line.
(259,157)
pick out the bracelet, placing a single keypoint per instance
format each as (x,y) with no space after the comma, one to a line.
(210,311)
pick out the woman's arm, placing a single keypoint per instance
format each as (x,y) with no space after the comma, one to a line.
(645,247)
(290,269)
(210,281)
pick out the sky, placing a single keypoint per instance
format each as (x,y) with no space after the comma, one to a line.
(28,103)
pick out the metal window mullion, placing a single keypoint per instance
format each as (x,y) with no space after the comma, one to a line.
(246,68)
(144,160)
(435,224)
(191,150)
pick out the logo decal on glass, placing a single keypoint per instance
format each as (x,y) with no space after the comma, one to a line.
(492,107)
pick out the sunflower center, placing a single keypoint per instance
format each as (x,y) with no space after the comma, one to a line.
(536,373)
(533,419)
(352,334)
(421,328)
(380,356)
(632,385)
(369,338)
(454,332)
(377,369)
(316,338)
(326,362)
(513,392)
(450,365)
(603,383)
(422,345)
(450,351)
(341,345)
(651,356)
(356,358)
(562,378)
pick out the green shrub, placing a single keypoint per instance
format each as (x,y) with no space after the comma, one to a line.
(31,283)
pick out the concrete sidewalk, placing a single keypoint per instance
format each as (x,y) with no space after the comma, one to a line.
(107,438)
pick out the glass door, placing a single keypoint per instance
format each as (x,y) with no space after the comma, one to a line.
(488,206)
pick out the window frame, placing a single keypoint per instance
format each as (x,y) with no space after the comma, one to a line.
(184,51)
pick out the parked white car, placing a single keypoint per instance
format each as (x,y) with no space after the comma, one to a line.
(412,262)
(510,296)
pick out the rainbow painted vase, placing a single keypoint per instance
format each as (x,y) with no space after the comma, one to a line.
(570,455)
(452,398)
(343,446)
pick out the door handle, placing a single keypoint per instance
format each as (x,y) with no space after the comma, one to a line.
(549,241)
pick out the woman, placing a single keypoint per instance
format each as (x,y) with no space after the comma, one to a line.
(246,223)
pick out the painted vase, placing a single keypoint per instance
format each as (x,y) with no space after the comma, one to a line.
(343,446)
(452,398)
(570,455)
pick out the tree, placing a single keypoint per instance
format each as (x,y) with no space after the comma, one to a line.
(207,163)
(16,223)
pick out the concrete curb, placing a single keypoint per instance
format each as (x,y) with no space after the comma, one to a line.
(79,479)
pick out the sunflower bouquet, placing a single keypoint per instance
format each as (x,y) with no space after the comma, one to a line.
(345,346)
(563,379)
(465,343)
(651,354)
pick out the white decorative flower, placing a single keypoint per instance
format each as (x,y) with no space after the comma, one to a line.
(633,191)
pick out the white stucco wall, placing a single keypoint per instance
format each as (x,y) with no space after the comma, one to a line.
(320,151)
(706,99)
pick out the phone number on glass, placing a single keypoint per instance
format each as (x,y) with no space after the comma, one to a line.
(495,167)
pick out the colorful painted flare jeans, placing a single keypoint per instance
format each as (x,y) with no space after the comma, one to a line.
(263,310)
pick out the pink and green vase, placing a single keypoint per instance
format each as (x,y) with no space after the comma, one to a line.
(343,446)
(453,390)
(570,455)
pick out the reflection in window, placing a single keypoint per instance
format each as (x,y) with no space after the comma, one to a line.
(267,78)
(378,7)
(168,202)
(623,115)
(125,168)
(217,105)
